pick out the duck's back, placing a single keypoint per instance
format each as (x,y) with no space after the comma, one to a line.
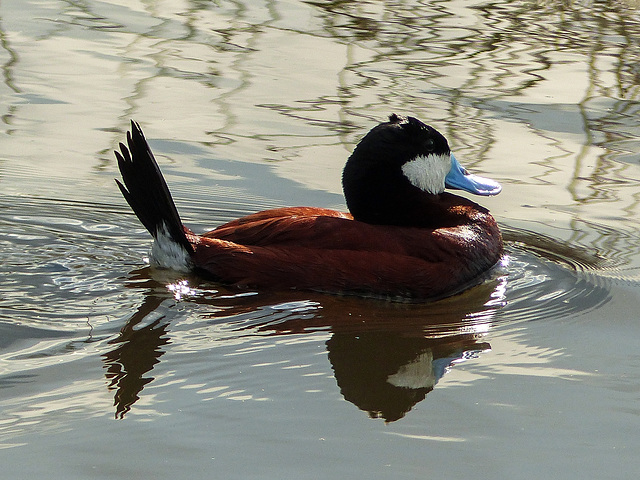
(326,250)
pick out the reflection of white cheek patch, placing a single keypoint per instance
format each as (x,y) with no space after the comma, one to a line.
(415,374)
(428,172)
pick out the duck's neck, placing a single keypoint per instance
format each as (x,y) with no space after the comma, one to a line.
(397,202)
(419,210)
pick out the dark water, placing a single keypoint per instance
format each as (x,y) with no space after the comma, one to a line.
(109,369)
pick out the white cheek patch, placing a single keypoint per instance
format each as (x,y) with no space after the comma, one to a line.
(428,172)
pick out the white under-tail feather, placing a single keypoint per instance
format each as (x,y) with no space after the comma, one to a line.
(167,253)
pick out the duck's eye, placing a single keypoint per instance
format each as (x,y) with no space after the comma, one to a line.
(428,145)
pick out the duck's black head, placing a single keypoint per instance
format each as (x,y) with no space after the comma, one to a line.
(400,167)
(396,162)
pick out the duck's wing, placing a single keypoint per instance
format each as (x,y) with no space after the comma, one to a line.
(291,225)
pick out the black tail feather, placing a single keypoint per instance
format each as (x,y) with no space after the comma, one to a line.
(145,190)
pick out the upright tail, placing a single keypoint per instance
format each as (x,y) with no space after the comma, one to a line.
(148,195)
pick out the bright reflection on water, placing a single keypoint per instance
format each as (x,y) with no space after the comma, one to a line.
(250,105)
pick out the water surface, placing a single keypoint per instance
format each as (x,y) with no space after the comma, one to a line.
(109,369)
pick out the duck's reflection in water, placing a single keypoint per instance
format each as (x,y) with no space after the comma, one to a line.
(385,356)
(386,375)
(136,353)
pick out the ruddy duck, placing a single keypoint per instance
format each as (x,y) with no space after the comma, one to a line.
(404,238)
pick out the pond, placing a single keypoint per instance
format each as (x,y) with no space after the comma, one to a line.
(111,369)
